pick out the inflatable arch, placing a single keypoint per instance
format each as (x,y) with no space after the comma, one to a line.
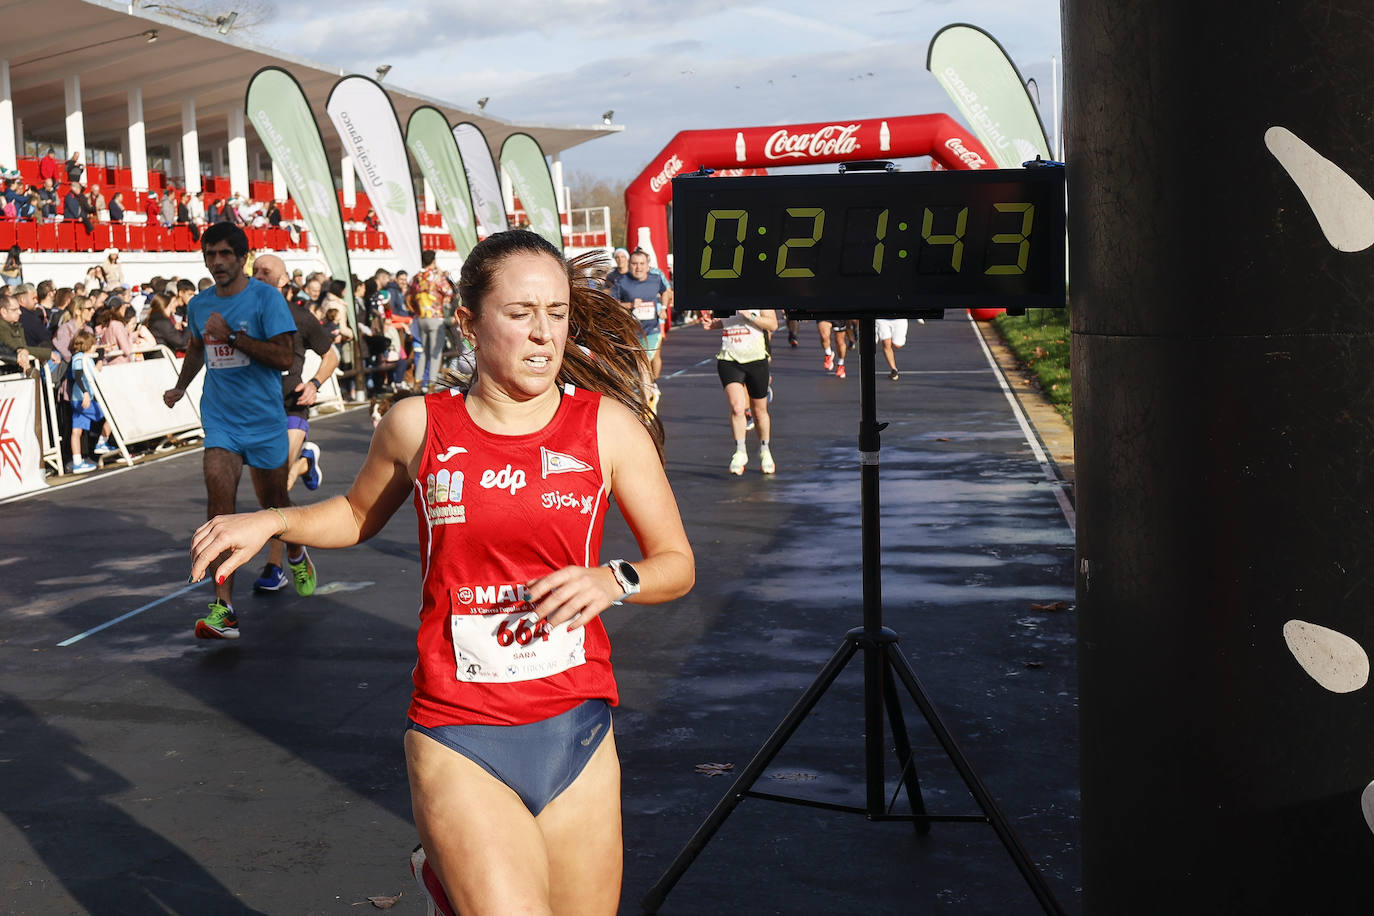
(740,150)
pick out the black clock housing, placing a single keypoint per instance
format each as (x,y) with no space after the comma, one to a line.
(870,244)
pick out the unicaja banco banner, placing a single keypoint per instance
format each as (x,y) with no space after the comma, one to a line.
(281,114)
(988,90)
(435,150)
(366,121)
(523,160)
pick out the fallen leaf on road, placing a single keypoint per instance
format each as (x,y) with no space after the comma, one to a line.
(382,902)
(1055,606)
(1035,664)
(942,439)
(714,769)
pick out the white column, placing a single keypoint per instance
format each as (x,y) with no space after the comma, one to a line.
(138,142)
(190,146)
(9,157)
(278,184)
(76,122)
(238,152)
(428,194)
(558,189)
(349,178)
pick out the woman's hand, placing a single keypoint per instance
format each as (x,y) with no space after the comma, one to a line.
(240,536)
(573,594)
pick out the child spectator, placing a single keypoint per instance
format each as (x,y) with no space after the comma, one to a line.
(85,408)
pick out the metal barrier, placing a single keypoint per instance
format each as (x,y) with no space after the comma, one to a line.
(130,394)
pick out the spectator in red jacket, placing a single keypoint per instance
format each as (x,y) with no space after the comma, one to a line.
(151,209)
(49,167)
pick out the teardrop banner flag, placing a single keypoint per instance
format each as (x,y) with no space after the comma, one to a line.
(483,181)
(367,124)
(432,144)
(281,114)
(524,162)
(988,90)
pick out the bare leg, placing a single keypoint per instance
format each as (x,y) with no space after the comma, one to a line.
(762,422)
(738,399)
(223,469)
(296,466)
(493,856)
(270,486)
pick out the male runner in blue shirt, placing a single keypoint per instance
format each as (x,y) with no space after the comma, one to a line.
(242,332)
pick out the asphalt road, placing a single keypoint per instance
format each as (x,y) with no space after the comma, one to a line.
(143,771)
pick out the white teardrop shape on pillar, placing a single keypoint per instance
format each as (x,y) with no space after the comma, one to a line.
(1332,659)
(1344,210)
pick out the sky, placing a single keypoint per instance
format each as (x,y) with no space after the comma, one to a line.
(664,67)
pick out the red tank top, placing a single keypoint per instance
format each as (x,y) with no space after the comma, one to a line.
(494,512)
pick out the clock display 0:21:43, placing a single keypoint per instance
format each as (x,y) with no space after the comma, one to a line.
(938,240)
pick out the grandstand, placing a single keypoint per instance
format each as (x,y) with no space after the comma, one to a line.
(155,101)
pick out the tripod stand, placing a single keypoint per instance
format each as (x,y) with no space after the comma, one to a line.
(882,661)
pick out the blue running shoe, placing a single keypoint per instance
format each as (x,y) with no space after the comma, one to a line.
(273,579)
(314,475)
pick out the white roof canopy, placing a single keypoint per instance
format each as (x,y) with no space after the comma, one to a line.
(106,44)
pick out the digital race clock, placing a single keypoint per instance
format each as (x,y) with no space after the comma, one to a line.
(870,243)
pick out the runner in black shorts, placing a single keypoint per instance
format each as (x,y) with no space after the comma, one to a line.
(298,397)
(742,365)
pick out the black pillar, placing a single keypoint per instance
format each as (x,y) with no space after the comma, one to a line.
(1223,356)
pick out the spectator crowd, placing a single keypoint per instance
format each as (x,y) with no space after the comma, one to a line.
(404,328)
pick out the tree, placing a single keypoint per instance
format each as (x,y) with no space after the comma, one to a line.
(588,190)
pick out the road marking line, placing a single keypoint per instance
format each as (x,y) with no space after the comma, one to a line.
(152,604)
(1046,466)
(689,368)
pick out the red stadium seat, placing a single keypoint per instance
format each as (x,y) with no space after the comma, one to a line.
(135,240)
(32,237)
(85,240)
(181,238)
(101,236)
(9,236)
(28,170)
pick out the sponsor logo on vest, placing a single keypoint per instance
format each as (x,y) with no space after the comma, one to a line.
(666,174)
(956,146)
(831,140)
(450,452)
(444,498)
(556,500)
(504,479)
(503,597)
(559,463)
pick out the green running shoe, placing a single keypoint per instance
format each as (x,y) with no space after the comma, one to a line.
(220,623)
(303,572)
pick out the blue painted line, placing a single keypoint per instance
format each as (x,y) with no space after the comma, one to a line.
(152,604)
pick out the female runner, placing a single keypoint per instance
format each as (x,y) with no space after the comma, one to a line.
(515,784)
(742,365)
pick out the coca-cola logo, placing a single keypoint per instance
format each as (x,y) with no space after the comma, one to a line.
(665,175)
(967,156)
(831,140)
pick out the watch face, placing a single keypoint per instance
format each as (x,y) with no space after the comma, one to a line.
(629,572)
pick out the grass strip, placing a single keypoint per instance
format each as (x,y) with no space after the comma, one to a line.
(1040,340)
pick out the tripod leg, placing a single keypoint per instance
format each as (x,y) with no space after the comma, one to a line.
(904,756)
(656,895)
(995,817)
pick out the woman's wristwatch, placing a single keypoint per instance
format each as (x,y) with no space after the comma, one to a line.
(626,576)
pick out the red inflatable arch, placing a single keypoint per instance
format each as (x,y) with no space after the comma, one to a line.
(738,150)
